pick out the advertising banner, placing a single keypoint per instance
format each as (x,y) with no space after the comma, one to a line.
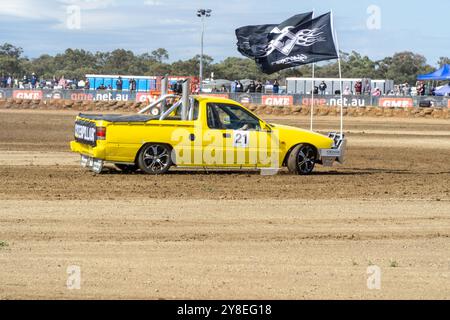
(148,97)
(112,96)
(281,101)
(217,95)
(336,101)
(244,98)
(396,102)
(56,95)
(28,94)
(82,96)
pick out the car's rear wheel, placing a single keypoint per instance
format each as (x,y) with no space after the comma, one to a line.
(302,159)
(155,159)
(127,168)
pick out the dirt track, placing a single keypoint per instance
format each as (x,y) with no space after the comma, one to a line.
(227,235)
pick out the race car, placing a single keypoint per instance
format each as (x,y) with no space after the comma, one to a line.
(209,132)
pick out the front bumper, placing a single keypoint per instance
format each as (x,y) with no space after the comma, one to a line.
(337,153)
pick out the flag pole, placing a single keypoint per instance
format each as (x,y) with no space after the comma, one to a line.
(312,95)
(342,93)
(312,87)
(340,74)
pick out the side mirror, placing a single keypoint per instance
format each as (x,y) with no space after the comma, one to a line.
(266,127)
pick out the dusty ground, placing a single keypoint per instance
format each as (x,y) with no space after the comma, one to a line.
(227,235)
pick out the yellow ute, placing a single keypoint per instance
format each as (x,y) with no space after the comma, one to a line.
(209,132)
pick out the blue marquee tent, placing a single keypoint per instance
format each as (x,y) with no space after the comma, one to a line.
(441,74)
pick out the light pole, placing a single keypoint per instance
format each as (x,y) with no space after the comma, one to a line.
(202,13)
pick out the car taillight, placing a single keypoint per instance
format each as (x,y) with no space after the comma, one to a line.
(101,133)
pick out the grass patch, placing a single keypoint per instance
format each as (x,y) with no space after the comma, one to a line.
(3,244)
(393,264)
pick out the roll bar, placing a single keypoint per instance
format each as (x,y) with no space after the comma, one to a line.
(184,101)
(161,100)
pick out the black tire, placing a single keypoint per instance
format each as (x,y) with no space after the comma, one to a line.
(155,159)
(127,168)
(302,159)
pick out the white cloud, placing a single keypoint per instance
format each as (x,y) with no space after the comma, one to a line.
(54,11)
(153,3)
(90,4)
(28,9)
(142,25)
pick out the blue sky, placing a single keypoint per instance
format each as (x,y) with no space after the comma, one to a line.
(143,25)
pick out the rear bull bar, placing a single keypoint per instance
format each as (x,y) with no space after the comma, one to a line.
(336,153)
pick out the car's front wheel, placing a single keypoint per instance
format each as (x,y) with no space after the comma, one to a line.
(302,159)
(155,159)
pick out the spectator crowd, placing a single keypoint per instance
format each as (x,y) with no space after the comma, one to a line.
(252,87)
(33,82)
(360,88)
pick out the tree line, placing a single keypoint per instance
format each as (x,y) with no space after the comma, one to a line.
(402,67)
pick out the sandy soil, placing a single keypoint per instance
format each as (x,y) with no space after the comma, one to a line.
(227,235)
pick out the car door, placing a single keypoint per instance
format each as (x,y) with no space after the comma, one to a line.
(185,136)
(235,138)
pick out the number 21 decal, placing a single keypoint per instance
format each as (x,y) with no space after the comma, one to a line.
(241,139)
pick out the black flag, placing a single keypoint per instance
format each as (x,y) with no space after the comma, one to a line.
(253,40)
(296,44)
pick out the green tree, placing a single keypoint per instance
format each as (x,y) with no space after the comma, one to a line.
(443,61)
(191,67)
(403,67)
(72,64)
(76,63)
(160,55)
(158,69)
(353,64)
(236,69)
(119,62)
(43,66)
(9,50)
(11,61)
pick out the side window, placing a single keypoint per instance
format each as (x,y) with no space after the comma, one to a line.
(231,117)
(212,124)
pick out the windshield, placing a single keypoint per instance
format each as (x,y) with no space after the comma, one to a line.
(231,117)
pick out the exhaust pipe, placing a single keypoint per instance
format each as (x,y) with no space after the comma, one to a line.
(185,99)
(164,91)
